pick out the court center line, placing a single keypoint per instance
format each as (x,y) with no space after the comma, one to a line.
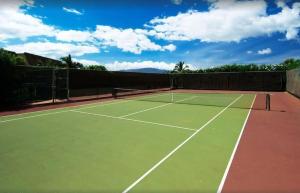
(178,147)
(134,120)
(159,106)
(234,150)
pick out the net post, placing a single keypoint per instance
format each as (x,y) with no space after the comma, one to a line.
(268,102)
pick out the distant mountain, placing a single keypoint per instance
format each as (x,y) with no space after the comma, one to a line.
(147,70)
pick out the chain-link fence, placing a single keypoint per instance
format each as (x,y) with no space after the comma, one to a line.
(52,84)
(101,83)
(41,84)
(257,81)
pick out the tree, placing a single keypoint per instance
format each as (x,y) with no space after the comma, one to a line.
(180,67)
(69,62)
(96,67)
(286,65)
(53,63)
(289,64)
(10,81)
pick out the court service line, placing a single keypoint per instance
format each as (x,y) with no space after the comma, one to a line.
(57,112)
(221,185)
(178,147)
(134,120)
(104,104)
(159,106)
(123,101)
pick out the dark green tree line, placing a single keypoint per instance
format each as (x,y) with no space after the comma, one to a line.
(286,65)
(10,80)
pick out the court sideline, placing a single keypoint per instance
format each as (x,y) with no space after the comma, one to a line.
(268,157)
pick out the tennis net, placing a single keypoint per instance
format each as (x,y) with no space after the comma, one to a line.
(205,99)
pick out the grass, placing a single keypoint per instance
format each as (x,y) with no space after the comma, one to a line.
(87,151)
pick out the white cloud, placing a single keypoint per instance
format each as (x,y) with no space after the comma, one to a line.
(264,51)
(115,66)
(53,50)
(15,23)
(170,47)
(20,25)
(249,52)
(129,40)
(228,21)
(176,2)
(136,65)
(86,62)
(225,21)
(70,10)
(73,35)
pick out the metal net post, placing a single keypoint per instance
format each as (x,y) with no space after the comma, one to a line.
(268,102)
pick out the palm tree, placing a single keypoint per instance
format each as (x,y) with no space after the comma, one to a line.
(69,62)
(180,67)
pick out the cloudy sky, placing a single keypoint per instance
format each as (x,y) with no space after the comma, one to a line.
(125,34)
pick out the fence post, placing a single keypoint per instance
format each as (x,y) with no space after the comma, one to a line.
(171,82)
(53,86)
(67,83)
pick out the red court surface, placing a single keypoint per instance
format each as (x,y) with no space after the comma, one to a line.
(268,155)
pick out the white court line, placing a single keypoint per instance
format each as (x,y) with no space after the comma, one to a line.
(85,106)
(58,108)
(104,104)
(52,113)
(28,117)
(134,120)
(178,147)
(159,106)
(234,150)
(123,101)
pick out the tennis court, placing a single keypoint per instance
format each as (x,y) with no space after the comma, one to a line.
(161,142)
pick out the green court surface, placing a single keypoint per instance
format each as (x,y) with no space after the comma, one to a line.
(124,145)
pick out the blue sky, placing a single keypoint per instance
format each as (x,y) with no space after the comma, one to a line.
(136,34)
